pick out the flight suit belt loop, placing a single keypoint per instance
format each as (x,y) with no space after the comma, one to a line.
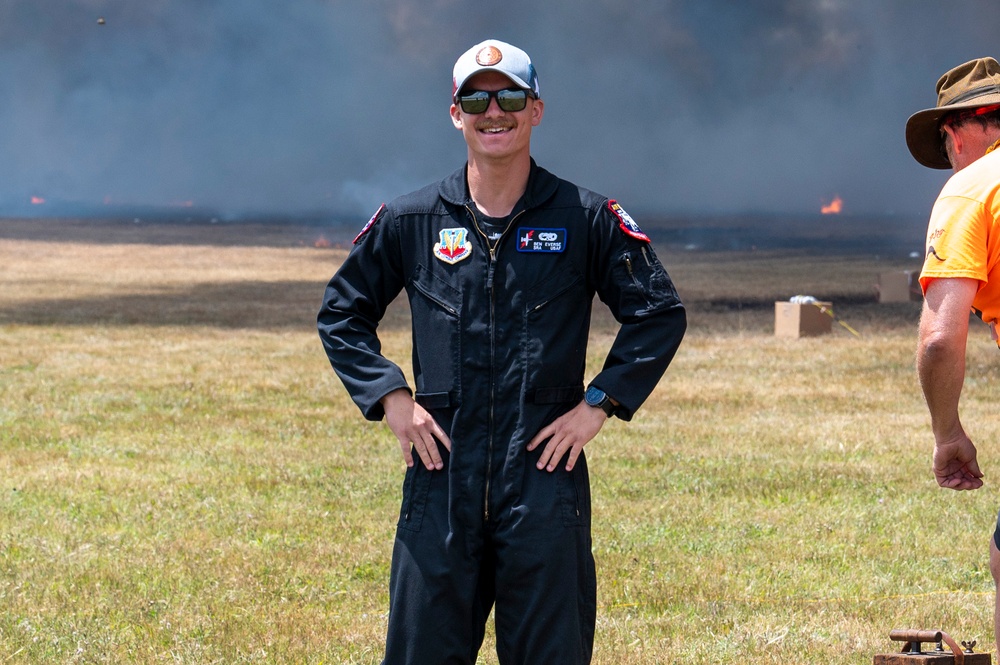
(435,400)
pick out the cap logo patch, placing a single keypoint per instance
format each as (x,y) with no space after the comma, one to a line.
(626,223)
(541,240)
(488,56)
(371,222)
(454,245)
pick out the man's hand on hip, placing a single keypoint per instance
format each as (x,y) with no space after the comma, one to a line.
(569,432)
(412,425)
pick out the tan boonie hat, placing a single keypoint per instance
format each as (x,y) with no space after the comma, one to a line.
(968,86)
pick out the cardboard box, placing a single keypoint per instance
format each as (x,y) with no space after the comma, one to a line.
(792,319)
(899,286)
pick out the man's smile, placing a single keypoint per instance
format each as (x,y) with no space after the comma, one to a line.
(494,129)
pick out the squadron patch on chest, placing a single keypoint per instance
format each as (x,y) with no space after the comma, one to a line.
(626,223)
(541,240)
(454,245)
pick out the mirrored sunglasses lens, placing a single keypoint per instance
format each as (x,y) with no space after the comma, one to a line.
(512,100)
(475,102)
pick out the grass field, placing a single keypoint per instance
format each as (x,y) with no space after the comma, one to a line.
(184,480)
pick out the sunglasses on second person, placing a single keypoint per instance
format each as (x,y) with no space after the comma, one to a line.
(510,100)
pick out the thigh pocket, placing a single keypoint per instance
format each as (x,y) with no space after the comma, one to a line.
(574,493)
(415,487)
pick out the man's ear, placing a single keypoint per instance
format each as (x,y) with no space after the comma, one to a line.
(957,144)
(456,117)
(537,111)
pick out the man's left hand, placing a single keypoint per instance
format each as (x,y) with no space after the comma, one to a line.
(569,432)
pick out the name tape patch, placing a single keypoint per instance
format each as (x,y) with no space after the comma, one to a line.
(541,240)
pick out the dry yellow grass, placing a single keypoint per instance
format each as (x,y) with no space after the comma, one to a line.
(184,480)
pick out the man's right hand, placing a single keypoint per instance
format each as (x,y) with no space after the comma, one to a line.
(413,426)
(955,465)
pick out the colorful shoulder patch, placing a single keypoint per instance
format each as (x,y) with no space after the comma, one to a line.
(541,240)
(454,245)
(371,223)
(626,223)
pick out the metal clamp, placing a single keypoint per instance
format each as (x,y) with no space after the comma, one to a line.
(913,638)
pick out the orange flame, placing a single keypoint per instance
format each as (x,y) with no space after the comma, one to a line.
(834,207)
(37,200)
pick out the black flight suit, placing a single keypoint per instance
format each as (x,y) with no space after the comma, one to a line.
(499,350)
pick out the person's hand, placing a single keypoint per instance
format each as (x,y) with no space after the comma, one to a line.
(955,465)
(412,425)
(569,432)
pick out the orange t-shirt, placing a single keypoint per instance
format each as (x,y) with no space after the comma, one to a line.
(963,236)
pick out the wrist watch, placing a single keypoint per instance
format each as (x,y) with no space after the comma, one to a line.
(598,398)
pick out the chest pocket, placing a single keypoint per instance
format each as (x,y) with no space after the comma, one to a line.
(554,342)
(436,308)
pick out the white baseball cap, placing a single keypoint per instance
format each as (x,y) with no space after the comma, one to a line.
(495,56)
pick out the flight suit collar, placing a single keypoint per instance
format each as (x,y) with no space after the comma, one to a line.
(542,186)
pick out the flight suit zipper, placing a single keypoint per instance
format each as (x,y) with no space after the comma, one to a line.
(490,272)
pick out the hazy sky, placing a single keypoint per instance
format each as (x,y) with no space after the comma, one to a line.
(684,106)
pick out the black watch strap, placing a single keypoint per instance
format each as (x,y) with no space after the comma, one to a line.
(607,406)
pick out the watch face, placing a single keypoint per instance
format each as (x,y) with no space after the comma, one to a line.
(594,396)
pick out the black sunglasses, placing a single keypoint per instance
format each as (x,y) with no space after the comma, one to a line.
(477,101)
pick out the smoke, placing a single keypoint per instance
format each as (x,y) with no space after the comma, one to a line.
(693,106)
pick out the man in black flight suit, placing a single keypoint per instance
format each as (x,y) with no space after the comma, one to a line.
(500,262)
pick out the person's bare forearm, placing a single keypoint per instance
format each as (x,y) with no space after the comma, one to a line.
(941,369)
(944,330)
